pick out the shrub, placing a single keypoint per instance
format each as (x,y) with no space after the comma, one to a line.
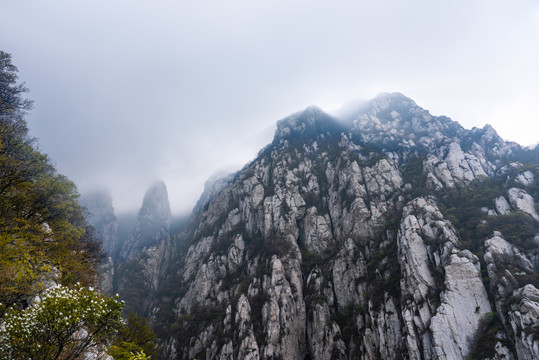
(485,338)
(135,337)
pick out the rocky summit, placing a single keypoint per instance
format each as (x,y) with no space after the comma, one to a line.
(388,234)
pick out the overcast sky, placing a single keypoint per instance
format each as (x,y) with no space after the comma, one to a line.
(127,92)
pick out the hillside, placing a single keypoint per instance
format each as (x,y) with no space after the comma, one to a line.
(50,306)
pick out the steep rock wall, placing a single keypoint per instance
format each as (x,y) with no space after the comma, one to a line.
(332,244)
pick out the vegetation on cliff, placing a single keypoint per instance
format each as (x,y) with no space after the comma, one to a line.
(48,251)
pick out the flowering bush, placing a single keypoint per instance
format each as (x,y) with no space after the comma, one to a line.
(62,324)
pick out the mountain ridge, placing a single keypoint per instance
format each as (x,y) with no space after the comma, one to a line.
(357,242)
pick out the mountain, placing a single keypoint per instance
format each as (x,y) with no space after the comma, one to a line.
(128,236)
(143,240)
(153,221)
(100,214)
(388,234)
(102,217)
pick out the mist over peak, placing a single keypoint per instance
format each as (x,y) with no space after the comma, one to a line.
(122,112)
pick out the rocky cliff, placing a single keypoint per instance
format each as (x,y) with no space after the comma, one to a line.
(134,244)
(392,234)
(101,216)
(153,221)
(142,255)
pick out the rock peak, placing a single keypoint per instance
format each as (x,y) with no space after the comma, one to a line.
(153,221)
(312,110)
(155,201)
(393,96)
(391,101)
(310,122)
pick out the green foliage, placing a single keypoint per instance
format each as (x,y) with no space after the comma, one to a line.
(524,279)
(257,304)
(127,351)
(11,99)
(383,269)
(346,319)
(412,174)
(463,208)
(517,228)
(62,324)
(485,337)
(310,259)
(308,125)
(384,272)
(140,356)
(187,325)
(135,337)
(134,285)
(42,227)
(525,155)
(44,236)
(199,317)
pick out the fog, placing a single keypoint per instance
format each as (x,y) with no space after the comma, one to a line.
(127,92)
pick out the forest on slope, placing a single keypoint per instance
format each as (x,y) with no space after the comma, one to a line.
(49,254)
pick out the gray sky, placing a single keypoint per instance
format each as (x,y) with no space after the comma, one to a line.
(129,91)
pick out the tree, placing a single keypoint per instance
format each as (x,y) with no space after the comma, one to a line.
(63,324)
(42,227)
(135,337)
(44,239)
(11,99)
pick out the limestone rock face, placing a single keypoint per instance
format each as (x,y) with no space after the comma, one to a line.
(106,275)
(502,206)
(343,240)
(212,187)
(102,217)
(525,179)
(137,252)
(522,201)
(153,221)
(452,166)
(524,320)
(446,311)
(464,303)
(517,305)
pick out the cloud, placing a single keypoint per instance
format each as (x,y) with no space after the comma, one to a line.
(130,91)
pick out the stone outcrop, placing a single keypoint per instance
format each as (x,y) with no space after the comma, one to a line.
(526,178)
(522,201)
